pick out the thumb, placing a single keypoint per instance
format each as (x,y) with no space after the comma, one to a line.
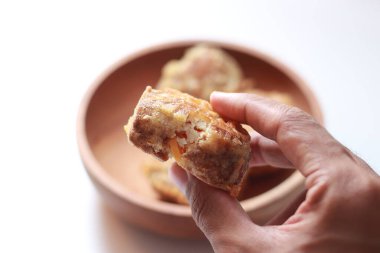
(220,217)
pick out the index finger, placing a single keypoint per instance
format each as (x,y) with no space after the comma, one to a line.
(304,142)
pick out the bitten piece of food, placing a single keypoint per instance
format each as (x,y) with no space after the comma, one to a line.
(169,123)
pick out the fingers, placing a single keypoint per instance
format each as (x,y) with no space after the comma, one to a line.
(267,152)
(210,206)
(301,139)
(217,214)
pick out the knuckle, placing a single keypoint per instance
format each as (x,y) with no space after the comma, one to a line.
(342,162)
(295,122)
(294,112)
(294,116)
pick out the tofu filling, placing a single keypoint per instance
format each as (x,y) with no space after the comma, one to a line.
(190,134)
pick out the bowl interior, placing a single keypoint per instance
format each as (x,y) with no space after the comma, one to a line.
(114,99)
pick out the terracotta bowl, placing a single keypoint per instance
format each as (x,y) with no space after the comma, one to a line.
(114,165)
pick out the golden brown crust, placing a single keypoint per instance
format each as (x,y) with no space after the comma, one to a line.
(171,123)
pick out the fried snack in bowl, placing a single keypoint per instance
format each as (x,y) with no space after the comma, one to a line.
(157,174)
(202,70)
(168,123)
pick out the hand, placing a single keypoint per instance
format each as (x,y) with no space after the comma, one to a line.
(340,211)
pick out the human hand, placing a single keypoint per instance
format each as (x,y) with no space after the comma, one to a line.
(340,211)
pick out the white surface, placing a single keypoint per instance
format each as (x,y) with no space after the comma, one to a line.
(51,51)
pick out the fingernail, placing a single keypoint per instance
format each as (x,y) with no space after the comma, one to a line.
(215,94)
(179,177)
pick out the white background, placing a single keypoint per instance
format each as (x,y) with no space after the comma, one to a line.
(51,51)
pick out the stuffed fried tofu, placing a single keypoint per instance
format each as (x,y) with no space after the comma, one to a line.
(202,70)
(168,123)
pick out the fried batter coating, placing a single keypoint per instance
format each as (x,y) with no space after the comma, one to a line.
(169,123)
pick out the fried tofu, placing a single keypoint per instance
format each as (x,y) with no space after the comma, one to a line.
(168,123)
(202,70)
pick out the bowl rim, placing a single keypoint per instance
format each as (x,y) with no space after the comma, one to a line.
(97,173)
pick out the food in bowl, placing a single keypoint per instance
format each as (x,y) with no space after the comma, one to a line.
(202,70)
(157,174)
(168,123)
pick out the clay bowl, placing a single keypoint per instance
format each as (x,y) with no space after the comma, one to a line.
(114,165)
